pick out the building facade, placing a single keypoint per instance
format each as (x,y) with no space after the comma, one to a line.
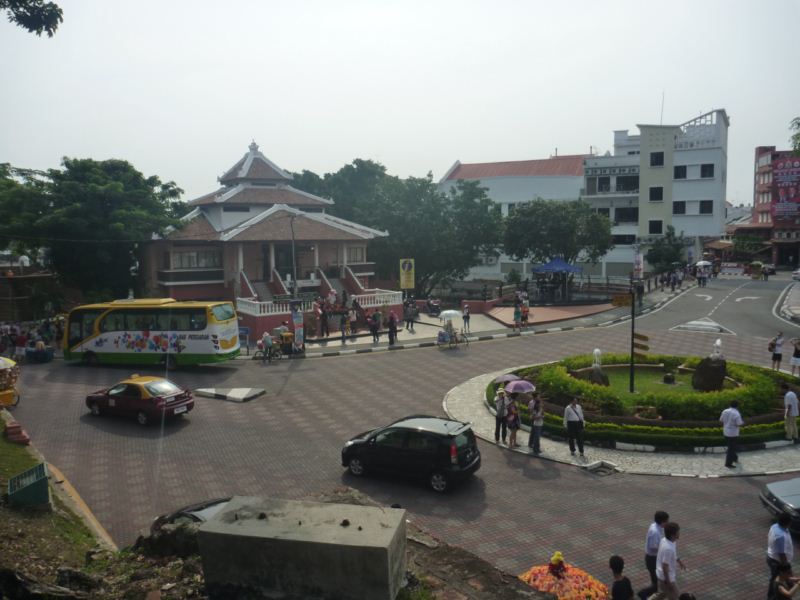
(514,182)
(776,202)
(666,175)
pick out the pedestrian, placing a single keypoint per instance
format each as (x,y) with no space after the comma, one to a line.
(500,424)
(392,325)
(776,347)
(673,281)
(408,316)
(795,361)
(780,548)
(536,414)
(731,420)
(653,540)
(667,562)
(343,321)
(352,315)
(790,412)
(621,589)
(375,326)
(525,310)
(323,322)
(266,347)
(783,584)
(573,423)
(512,418)
(465,317)
(20,343)
(517,316)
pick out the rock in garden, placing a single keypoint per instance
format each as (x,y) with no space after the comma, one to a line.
(709,375)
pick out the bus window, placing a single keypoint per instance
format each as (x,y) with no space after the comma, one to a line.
(223,312)
(113,321)
(81,325)
(197,320)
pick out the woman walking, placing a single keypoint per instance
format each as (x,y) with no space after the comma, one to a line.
(512,417)
(536,412)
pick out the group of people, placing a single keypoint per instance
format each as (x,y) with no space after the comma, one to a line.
(508,421)
(673,279)
(16,338)
(522,310)
(775,348)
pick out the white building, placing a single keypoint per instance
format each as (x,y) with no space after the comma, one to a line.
(510,183)
(667,175)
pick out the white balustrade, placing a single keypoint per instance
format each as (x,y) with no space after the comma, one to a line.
(375,298)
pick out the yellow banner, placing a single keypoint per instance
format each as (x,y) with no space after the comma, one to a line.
(407,274)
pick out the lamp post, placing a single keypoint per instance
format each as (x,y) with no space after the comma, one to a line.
(294,262)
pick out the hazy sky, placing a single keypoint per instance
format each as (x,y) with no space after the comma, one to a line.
(180,88)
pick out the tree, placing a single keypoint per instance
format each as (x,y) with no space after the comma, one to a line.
(544,229)
(36,16)
(666,250)
(795,139)
(746,246)
(90,216)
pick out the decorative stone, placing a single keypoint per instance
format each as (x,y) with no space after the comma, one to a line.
(669,378)
(709,375)
(598,377)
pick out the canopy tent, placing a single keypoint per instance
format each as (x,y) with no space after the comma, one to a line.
(557,265)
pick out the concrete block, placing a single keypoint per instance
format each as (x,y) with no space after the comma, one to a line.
(263,547)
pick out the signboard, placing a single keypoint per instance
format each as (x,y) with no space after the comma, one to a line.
(244,338)
(638,263)
(785,186)
(640,346)
(297,321)
(639,355)
(621,300)
(407,274)
(641,336)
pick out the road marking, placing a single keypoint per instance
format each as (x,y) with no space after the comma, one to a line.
(704,325)
(731,293)
(747,298)
(706,297)
(782,298)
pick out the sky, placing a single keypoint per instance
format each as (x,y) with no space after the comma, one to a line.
(180,88)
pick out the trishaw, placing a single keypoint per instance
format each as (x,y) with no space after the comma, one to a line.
(449,337)
(9,373)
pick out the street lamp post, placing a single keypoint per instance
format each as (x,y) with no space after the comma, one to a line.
(294,262)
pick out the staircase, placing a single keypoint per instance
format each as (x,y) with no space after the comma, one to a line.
(337,285)
(263,291)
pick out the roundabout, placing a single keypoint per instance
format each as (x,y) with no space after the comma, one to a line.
(467,402)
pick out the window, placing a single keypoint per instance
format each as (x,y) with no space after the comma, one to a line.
(421,442)
(181,319)
(628,183)
(656,159)
(604,184)
(223,312)
(706,207)
(679,172)
(623,240)
(234,208)
(656,194)
(707,171)
(678,207)
(392,438)
(603,211)
(626,215)
(197,259)
(355,254)
(655,227)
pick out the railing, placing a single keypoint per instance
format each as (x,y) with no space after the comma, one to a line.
(362,267)
(276,278)
(260,309)
(172,277)
(356,280)
(608,190)
(379,298)
(249,285)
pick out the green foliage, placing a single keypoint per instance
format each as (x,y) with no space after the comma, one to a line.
(666,250)
(513,277)
(544,229)
(745,247)
(89,215)
(36,16)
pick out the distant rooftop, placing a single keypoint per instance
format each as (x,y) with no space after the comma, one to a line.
(555,166)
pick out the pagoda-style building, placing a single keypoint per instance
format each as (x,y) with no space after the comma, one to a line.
(260,241)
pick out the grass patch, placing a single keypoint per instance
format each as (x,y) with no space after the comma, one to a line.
(648,381)
(14,459)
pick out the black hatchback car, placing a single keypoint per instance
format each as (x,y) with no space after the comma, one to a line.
(439,450)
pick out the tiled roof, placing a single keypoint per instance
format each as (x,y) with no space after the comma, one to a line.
(246,193)
(254,166)
(559,166)
(197,228)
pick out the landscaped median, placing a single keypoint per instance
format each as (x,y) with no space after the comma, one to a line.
(668,416)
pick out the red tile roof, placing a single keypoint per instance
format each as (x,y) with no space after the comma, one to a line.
(563,166)
(261,195)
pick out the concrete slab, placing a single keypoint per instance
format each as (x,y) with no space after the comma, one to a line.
(258,547)
(232,394)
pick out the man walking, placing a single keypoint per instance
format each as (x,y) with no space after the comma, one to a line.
(790,412)
(655,533)
(780,549)
(465,317)
(573,423)
(667,562)
(501,410)
(731,420)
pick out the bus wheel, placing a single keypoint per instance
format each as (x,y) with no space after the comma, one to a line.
(169,362)
(90,358)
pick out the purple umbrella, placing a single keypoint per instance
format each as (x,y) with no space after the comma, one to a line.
(520,386)
(506,378)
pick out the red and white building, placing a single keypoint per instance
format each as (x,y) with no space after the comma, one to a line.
(249,239)
(776,202)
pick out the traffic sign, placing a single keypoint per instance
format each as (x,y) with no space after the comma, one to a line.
(641,346)
(621,300)
(639,355)
(641,336)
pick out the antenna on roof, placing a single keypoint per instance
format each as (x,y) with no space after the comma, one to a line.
(661,122)
(556,151)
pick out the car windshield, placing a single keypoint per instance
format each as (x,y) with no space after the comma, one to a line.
(223,312)
(162,388)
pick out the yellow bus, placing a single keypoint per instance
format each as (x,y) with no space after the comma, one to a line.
(152,331)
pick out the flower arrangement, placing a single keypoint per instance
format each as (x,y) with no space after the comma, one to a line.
(566,581)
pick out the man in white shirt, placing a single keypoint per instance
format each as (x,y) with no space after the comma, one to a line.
(667,562)
(501,409)
(655,534)
(791,412)
(731,420)
(780,549)
(573,423)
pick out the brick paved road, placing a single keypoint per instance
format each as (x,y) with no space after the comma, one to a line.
(515,513)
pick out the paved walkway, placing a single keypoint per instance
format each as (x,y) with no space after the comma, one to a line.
(465,402)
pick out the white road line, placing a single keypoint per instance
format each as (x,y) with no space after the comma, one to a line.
(784,295)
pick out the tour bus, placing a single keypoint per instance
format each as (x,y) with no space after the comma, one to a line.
(152,331)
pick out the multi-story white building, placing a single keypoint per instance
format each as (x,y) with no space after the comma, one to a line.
(514,182)
(667,175)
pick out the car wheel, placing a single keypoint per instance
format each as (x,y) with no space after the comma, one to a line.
(141,418)
(355,466)
(94,409)
(438,482)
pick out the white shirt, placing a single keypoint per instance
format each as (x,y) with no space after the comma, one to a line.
(790,401)
(779,541)
(573,413)
(778,345)
(667,553)
(731,421)
(655,534)
(501,405)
